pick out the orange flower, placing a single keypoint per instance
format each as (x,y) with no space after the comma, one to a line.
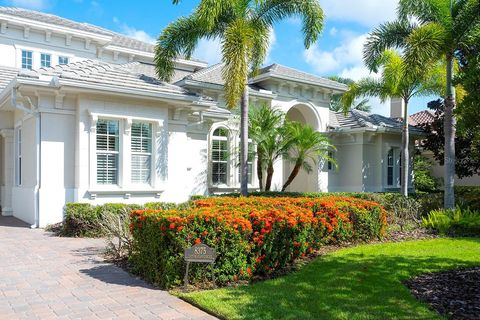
(172,226)
(198,241)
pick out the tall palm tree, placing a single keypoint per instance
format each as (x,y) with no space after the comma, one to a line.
(266,128)
(308,147)
(244,28)
(430,29)
(397,80)
(336,100)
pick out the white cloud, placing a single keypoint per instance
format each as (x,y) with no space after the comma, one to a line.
(333,31)
(366,12)
(32,4)
(349,52)
(134,33)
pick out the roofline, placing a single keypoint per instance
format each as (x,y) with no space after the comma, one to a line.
(83,86)
(270,74)
(215,86)
(380,129)
(55,27)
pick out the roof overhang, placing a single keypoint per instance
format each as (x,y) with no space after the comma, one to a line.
(273,75)
(218,87)
(378,129)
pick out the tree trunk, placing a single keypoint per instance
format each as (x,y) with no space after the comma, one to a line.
(260,170)
(449,127)
(268,184)
(405,152)
(292,175)
(244,141)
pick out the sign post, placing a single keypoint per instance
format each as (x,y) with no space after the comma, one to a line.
(199,253)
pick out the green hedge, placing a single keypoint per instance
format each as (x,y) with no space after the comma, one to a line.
(458,222)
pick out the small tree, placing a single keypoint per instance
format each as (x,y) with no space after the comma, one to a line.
(307,148)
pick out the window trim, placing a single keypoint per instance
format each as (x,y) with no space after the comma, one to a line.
(228,161)
(63,57)
(25,65)
(396,167)
(107,152)
(45,55)
(150,154)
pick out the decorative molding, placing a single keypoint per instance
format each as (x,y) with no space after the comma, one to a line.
(6,133)
(3,27)
(87,43)
(26,32)
(93,123)
(128,126)
(59,100)
(68,39)
(131,57)
(115,55)
(48,35)
(99,53)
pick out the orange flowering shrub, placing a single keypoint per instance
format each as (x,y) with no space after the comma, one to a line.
(252,235)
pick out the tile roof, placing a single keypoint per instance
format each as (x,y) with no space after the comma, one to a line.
(118,39)
(211,74)
(356,119)
(294,74)
(422,117)
(6,76)
(102,73)
(148,69)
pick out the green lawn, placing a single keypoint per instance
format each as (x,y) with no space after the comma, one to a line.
(356,283)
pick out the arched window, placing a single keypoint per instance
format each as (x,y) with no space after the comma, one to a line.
(219,156)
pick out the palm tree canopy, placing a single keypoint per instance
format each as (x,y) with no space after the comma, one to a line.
(244,28)
(336,100)
(397,80)
(426,29)
(308,145)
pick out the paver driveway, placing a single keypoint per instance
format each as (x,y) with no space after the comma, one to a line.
(47,277)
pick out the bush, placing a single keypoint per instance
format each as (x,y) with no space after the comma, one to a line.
(458,222)
(85,220)
(252,236)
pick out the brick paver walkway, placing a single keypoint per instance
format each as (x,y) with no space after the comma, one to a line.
(47,277)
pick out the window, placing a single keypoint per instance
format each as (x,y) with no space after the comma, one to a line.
(394,167)
(141,152)
(251,155)
(45,60)
(27,60)
(18,157)
(330,165)
(63,60)
(107,151)
(219,156)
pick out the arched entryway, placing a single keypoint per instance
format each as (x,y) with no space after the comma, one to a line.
(304,182)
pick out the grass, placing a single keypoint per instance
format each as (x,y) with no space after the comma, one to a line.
(363,282)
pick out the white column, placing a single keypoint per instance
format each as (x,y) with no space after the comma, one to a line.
(7,172)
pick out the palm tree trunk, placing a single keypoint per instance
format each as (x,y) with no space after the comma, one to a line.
(268,184)
(405,152)
(244,141)
(292,175)
(449,127)
(260,170)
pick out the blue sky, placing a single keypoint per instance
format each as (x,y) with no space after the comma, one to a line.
(338,52)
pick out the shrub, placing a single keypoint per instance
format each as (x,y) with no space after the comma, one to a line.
(252,236)
(85,220)
(458,222)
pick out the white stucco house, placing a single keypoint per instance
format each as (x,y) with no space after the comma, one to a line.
(84,119)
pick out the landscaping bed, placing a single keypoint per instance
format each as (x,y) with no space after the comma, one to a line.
(253,236)
(454,293)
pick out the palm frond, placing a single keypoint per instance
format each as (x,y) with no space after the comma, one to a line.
(364,88)
(388,35)
(271,11)
(260,47)
(466,18)
(178,38)
(425,11)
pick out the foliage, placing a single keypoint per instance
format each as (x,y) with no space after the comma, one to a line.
(363,282)
(467,148)
(267,128)
(307,148)
(456,222)
(336,100)
(252,236)
(85,220)
(424,180)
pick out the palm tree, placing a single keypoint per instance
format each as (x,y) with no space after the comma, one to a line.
(307,148)
(244,28)
(336,100)
(266,128)
(397,80)
(430,29)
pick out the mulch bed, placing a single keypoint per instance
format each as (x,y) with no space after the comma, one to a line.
(454,293)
